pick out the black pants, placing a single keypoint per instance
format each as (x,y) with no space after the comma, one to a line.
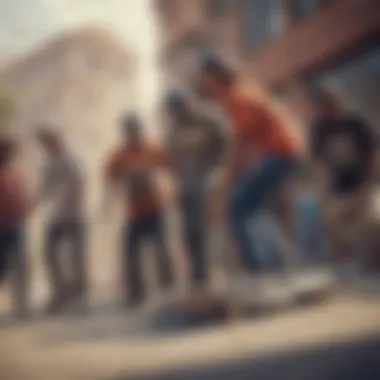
(194,230)
(13,263)
(140,229)
(73,234)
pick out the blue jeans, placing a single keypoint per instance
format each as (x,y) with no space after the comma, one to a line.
(250,191)
(310,234)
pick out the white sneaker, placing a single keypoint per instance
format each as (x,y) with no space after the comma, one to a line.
(261,290)
(282,289)
(311,282)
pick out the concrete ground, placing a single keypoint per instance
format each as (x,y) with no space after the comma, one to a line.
(341,335)
(351,360)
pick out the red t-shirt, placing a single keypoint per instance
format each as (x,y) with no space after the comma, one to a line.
(13,196)
(134,167)
(258,130)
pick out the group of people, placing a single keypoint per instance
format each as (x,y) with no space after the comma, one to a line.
(62,186)
(246,155)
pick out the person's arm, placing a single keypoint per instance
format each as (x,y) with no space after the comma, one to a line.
(222,151)
(223,168)
(77,175)
(45,190)
(112,175)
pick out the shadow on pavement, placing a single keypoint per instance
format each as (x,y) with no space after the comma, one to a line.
(118,325)
(163,320)
(358,360)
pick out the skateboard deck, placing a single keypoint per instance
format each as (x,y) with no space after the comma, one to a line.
(259,294)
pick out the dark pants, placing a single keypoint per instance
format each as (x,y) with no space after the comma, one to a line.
(194,230)
(250,191)
(13,263)
(73,234)
(138,230)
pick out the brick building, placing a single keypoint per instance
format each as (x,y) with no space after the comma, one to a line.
(289,46)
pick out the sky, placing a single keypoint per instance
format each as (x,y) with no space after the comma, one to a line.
(26,23)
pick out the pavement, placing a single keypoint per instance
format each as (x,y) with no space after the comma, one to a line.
(350,360)
(338,338)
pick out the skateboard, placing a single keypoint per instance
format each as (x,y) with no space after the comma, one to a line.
(248,295)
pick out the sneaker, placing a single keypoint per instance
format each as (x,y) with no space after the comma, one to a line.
(312,283)
(262,290)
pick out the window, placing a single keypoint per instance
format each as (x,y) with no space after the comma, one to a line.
(261,21)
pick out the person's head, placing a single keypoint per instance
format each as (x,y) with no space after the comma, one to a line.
(49,139)
(7,149)
(177,106)
(327,104)
(132,129)
(216,78)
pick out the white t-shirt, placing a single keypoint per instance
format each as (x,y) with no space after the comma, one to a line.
(63,181)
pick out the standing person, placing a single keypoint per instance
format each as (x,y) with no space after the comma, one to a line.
(13,212)
(196,146)
(262,152)
(133,165)
(344,149)
(63,187)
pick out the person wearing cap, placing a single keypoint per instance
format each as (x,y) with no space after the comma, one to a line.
(14,203)
(62,186)
(196,143)
(262,151)
(133,166)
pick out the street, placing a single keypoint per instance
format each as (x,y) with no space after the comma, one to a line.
(328,341)
(352,360)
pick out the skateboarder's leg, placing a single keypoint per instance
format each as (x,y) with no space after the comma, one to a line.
(249,194)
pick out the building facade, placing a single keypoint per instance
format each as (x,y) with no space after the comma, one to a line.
(289,46)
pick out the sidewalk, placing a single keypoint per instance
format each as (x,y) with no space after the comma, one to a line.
(106,358)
